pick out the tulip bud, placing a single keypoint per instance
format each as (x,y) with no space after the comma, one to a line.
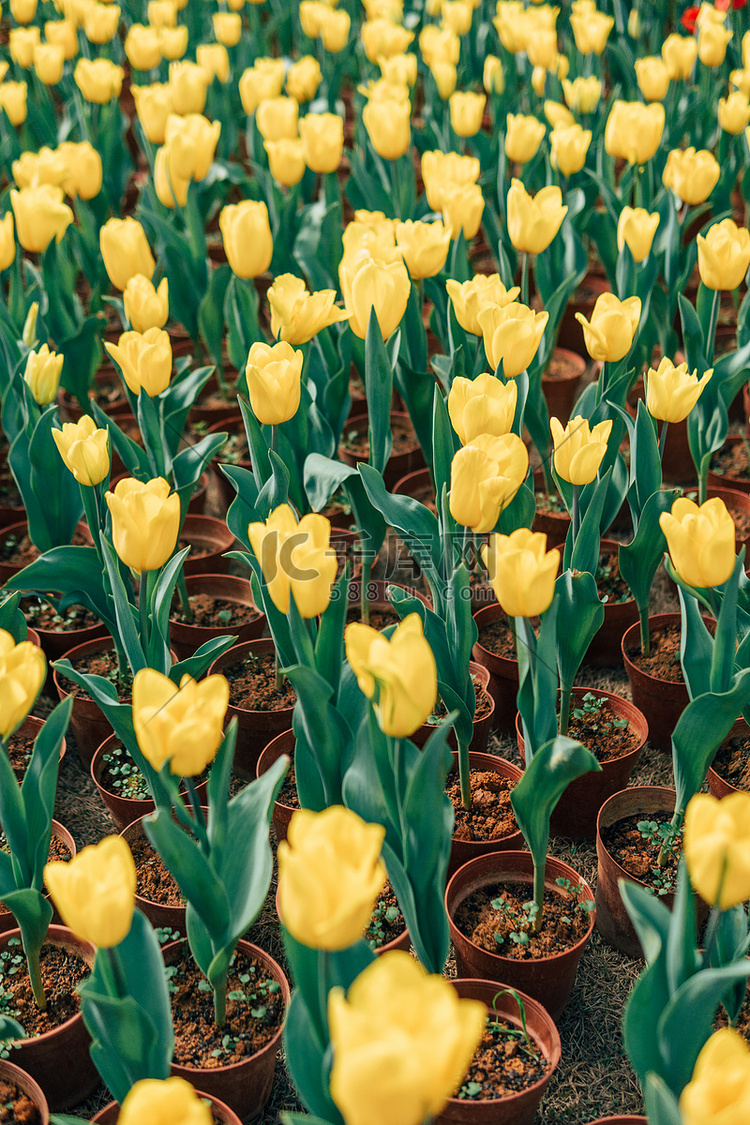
(445,76)
(388,127)
(523,135)
(582,94)
(579,451)
(173,42)
(381,37)
(296,559)
(23,670)
(467,110)
(424,247)
(246,233)
(83,169)
(100,22)
(679,53)
(145,360)
(723,255)
(13,101)
(653,78)
(154,104)
(712,44)
(273,380)
(691,175)
(522,571)
(634,24)
(188,83)
(335,25)
(183,726)
(277,118)
(303,79)
(125,251)
(471,297)
(286,161)
(609,336)
(40,216)
(485,476)
(481,406)
(95,892)
(227,28)
(399,673)
(23,11)
(99,80)
(64,33)
(444,171)
(322,141)
(633,131)
(142,47)
(7,241)
(296,314)
(369,283)
(671,393)
(29,325)
(463,207)
(213,58)
(719,1091)
(84,449)
(145,522)
(145,306)
(701,541)
(261,83)
(42,373)
(49,62)
(330,875)
(716,839)
(734,112)
(493,78)
(637,228)
(591,30)
(533,221)
(570,146)
(22,41)
(400,70)
(512,335)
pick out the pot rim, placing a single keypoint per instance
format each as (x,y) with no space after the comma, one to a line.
(21,1078)
(222,660)
(654,622)
(631,789)
(626,705)
(56,935)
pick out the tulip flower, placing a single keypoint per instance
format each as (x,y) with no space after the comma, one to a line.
(399,69)
(579,451)
(691,175)
(493,78)
(569,147)
(370,231)
(296,560)
(582,94)
(246,233)
(99,80)
(717,848)
(263,80)
(388,127)
(671,393)
(652,74)
(512,333)
(183,726)
(173,42)
(145,306)
(533,221)
(49,61)
(95,892)
(100,23)
(485,476)
(369,283)
(591,30)
(13,101)
(23,670)
(190,142)
(558,115)
(381,38)
(7,241)
(21,42)
(286,161)
(145,360)
(310,16)
(277,118)
(679,53)
(442,171)
(171,1101)
(322,137)
(463,207)
(700,541)
(40,216)
(424,247)
(712,44)
(42,373)
(142,47)
(469,298)
(64,32)
(633,131)
(523,135)
(335,26)
(188,84)
(83,169)
(84,449)
(636,227)
(23,11)
(522,571)
(303,79)
(457,16)
(446,76)
(402,1041)
(399,672)
(227,28)
(145,522)
(719,1090)
(467,110)
(296,314)
(273,380)
(723,255)
(153,105)
(609,335)
(125,251)
(47,166)
(330,875)
(214,60)
(734,112)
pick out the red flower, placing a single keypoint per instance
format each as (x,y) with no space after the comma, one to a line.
(689,17)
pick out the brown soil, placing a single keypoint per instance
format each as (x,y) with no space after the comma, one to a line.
(596,727)
(16,1108)
(550,504)
(637,850)
(380,618)
(154,881)
(20,747)
(492,816)
(483,705)
(10,497)
(732,762)
(562,367)
(611,586)
(61,970)
(43,615)
(235,450)
(732,462)
(356,386)
(564,922)
(255,1010)
(741,522)
(387,922)
(252,685)
(288,793)
(215,400)
(503,1063)
(103,664)
(21,552)
(215,612)
(743,1020)
(358,444)
(498,638)
(663,660)
(121,776)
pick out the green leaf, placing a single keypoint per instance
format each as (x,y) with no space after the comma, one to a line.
(379,390)
(700,730)
(580,615)
(640,559)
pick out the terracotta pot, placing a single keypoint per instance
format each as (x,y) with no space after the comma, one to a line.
(727,480)
(605,650)
(244,1086)
(158,914)
(482,726)
(612,919)
(419,486)
(9,513)
(60,832)
(209,535)
(717,784)
(738,503)
(583,300)
(114,404)
(377,590)
(513,1109)
(19,530)
(503,685)
(222,1112)
(635,1120)
(124,810)
(255,729)
(661,701)
(186,639)
(677,462)
(30,728)
(577,810)
(283,743)
(399,464)
(552,524)
(221,411)
(548,979)
(87,720)
(464,850)
(56,642)
(59,1060)
(560,391)
(9,1072)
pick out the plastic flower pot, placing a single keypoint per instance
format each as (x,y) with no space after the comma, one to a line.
(220,1111)
(186,638)
(464,850)
(482,725)
(661,701)
(59,832)
(209,540)
(560,384)
(503,685)
(9,1072)
(717,784)
(124,810)
(605,650)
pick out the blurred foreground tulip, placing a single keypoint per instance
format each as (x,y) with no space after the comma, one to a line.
(691,175)
(172,1101)
(523,135)
(719,1091)
(633,131)
(716,845)
(40,216)
(23,670)
(322,137)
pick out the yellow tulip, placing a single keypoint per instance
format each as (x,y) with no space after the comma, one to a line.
(42,373)
(402,1041)
(145,522)
(191,143)
(322,141)
(652,75)
(330,875)
(442,171)
(582,94)
(523,135)
(636,227)
(40,216)
(13,101)
(142,47)
(187,88)
(261,83)
(558,115)
(145,306)
(296,559)
(83,169)
(734,112)
(227,28)
(277,118)
(84,449)
(679,53)
(719,1090)
(399,69)
(95,891)
(541,48)
(49,61)
(463,207)
(310,15)
(481,406)
(485,476)
(633,131)
(446,76)
(214,59)
(399,672)
(382,38)
(569,147)
(369,283)
(533,221)
(579,451)
(23,670)
(100,22)
(723,255)
(47,166)
(21,42)
(469,298)
(671,393)
(183,726)
(335,26)
(286,160)
(457,15)
(246,233)
(522,571)
(145,359)
(162,13)
(125,251)
(303,79)
(388,127)
(493,77)
(609,335)
(153,105)
(64,33)
(99,80)
(173,42)
(273,375)
(591,30)
(717,848)
(172,1101)
(296,314)
(23,11)
(691,175)
(741,80)
(510,26)
(467,110)
(512,333)
(712,44)
(700,541)
(424,247)
(7,241)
